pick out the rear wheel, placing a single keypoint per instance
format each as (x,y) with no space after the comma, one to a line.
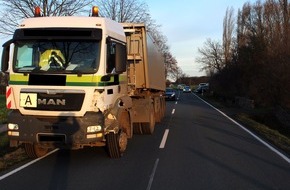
(116,144)
(35,150)
(137,128)
(148,127)
(158,115)
(163,107)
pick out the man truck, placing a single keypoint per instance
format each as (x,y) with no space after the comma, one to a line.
(81,81)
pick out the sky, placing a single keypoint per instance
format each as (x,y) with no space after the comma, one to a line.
(188,23)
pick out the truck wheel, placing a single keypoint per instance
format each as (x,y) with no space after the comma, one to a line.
(158,116)
(137,128)
(35,150)
(125,123)
(148,127)
(163,107)
(116,144)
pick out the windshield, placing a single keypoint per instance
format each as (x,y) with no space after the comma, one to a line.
(56,56)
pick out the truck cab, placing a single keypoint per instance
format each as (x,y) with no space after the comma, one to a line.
(67,84)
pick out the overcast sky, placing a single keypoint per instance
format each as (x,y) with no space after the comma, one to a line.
(188,23)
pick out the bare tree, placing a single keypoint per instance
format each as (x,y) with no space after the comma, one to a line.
(13,11)
(124,10)
(171,68)
(228,29)
(211,56)
(261,55)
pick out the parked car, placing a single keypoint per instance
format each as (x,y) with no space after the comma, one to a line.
(170,94)
(186,89)
(202,88)
(203,84)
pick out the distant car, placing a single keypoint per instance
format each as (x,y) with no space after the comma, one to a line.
(170,94)
(186,89)
(181,87)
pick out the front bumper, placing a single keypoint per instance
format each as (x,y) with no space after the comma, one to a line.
(59,131)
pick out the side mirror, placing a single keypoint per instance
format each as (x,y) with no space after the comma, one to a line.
(121,58)
(5,56)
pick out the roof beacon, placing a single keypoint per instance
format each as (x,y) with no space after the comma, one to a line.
(37,12)
(95,11)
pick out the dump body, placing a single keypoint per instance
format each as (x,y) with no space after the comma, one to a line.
(145,61)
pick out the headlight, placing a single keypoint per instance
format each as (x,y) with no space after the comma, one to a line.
(13,126)
(94,129)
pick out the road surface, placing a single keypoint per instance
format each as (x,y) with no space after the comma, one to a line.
(194,147)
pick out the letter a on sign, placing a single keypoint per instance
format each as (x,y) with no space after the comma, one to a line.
(28,100)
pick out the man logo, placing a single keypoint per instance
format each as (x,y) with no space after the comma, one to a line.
(55,102)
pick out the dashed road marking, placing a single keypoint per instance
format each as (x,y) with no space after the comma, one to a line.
(173,111)
(152,174)
(164,139)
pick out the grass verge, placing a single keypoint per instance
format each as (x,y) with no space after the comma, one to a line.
(9,156)
(274,136)
(3,109)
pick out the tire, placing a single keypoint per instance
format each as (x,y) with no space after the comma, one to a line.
(163,108)
(116,144)
(158,115)
(125,123)
(35,150)
(148,127)
(137,128)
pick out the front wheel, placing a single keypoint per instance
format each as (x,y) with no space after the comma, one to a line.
(35,150)
(116,144)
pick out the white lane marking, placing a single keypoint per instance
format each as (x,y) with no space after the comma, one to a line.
(175,102)
(26,165)
(164,139)
(283,156)
(152,174)
(173,111)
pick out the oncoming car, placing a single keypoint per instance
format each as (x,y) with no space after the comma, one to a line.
(186,89)
(170,94)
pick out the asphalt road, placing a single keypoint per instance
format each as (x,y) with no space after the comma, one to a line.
(194,147)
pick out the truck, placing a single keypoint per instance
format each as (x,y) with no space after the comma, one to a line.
(78,82)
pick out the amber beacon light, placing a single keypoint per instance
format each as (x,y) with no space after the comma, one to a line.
(95,11)
(37,12)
